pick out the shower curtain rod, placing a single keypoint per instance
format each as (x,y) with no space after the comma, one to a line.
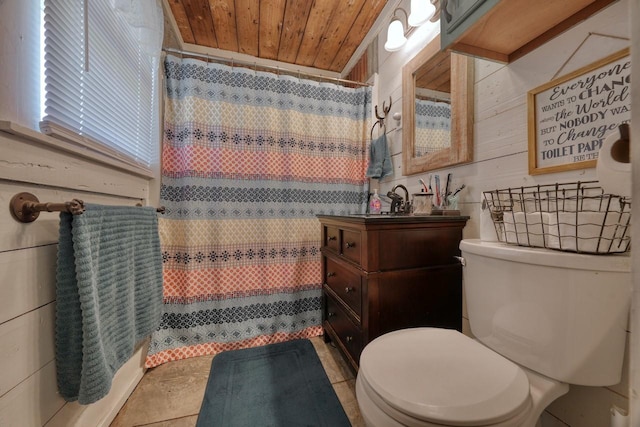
(269,67)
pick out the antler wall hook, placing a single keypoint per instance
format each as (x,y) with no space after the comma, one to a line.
(385,110)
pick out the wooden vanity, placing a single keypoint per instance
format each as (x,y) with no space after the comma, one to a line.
(382,273)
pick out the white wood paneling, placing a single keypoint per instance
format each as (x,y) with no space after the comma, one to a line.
(586,406)
(28,255)
(54,172)
(27,280)
(486,68)
(29,162)
(622,388)
(36,401)
(27,345)
(33,402)
(499,91)
(497,136)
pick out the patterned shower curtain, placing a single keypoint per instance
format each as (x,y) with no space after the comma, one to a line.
(433,126)
(249,158)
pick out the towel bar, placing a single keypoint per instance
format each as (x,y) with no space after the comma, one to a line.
(160,209)
(25,207)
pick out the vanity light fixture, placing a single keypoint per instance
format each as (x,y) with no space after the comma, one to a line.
(421,12)
(395,33)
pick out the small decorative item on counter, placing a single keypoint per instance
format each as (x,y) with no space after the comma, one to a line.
(452,199)
(422,203)
(375,205)
(452,202)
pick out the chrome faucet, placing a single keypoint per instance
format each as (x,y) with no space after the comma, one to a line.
(398,205)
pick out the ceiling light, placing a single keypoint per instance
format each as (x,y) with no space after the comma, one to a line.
(421,12)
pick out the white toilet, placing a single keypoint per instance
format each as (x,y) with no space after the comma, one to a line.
(542,320)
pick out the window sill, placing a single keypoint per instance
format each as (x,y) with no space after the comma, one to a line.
(76,149)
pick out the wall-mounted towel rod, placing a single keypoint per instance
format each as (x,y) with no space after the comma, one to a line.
(25,207)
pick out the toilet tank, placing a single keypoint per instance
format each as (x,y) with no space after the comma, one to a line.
(561,314)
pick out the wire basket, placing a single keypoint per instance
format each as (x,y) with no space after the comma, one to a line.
(574,217)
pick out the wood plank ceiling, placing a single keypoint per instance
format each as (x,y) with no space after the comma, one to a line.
(322,34)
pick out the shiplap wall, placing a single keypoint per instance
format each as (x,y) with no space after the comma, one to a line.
(501,152)
(28,388)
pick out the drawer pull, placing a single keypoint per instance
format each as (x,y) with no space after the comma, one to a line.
(350,245)
(349,338)
(330,314)
(330,238)
(331,274)
(349,289)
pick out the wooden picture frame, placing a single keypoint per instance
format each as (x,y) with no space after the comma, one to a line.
(569,117)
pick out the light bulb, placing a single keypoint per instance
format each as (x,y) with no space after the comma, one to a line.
(395,36)
(421,12)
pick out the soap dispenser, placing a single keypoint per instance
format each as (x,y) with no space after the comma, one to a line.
(375,205)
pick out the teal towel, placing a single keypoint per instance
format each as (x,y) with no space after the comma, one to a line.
(379,158)
(109,294)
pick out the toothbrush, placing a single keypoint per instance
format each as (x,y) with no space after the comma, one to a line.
(426,189)
(437,178)
(458,190)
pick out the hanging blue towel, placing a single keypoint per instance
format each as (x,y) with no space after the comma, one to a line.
(379,158)
(109,294)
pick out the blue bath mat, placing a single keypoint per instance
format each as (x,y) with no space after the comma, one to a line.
(280,384)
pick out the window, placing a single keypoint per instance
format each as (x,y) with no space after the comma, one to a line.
(101,74)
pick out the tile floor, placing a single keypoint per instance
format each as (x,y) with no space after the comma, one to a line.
(170,395)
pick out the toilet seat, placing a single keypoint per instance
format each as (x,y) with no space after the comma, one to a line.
(443,377)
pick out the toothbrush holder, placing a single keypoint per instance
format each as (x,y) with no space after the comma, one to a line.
(422,203)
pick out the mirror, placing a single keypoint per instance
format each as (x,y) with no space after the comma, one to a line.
(437,107)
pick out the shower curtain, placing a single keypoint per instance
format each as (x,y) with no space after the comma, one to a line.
(249,158)
(433,126)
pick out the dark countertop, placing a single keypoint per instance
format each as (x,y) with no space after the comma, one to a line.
(395,218)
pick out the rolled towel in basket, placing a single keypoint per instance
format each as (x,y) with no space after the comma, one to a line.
(526,229)
(592,232)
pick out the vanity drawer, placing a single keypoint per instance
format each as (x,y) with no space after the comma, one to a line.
(348,332)
(418,248)
(332,238)
(351,245)
(345,283)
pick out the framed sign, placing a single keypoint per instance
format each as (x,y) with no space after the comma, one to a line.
(569,118)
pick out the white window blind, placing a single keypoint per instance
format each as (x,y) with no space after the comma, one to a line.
(100,79)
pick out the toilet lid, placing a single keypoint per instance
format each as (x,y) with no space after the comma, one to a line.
(443,376)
